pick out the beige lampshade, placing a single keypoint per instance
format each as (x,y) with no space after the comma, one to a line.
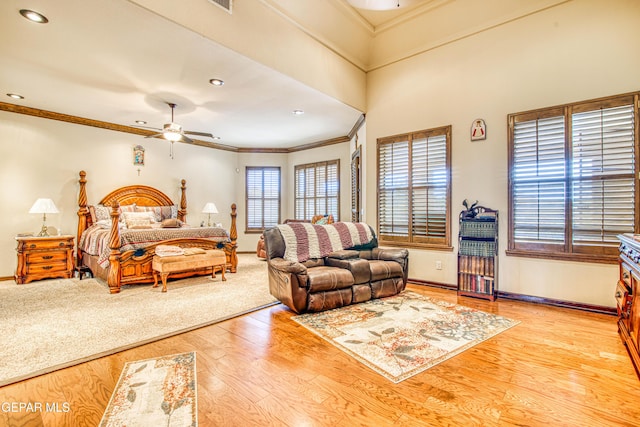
(210,208)
(44,206)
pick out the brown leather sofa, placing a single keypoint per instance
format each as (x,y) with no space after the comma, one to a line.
(342,278)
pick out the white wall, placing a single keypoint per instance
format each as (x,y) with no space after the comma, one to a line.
(576,51)
(42,158)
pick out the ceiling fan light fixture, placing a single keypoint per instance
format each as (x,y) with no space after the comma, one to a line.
(172,135)
(34,16)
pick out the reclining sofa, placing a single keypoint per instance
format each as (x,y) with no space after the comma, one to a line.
(320,267)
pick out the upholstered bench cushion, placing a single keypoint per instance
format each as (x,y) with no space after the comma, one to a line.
(381,270)
(188,262)
(328,278)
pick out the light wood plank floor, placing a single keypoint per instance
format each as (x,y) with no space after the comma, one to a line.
(559,367)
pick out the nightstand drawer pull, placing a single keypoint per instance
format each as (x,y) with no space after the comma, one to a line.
(47,256)
(47,267)
(61,244)
(33,245)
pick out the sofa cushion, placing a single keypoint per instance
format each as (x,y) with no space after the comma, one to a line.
(387,287)
(359,268)
(381,270)
(328,300)
(328,278)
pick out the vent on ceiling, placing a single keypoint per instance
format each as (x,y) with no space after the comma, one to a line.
(225,4)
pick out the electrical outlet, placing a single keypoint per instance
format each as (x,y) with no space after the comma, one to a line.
(438,265)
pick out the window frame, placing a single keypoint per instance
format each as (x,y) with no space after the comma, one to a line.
(408,240)
(315,165)
(568,250)
(248,169)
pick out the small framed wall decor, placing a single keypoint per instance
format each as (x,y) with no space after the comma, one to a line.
(138,155)
(478,130)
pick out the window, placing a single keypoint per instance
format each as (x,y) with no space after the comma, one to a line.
(317,189)
(414,189)
(263,198)
(572,179)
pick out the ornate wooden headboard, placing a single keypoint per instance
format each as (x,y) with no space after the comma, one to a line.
(141,195)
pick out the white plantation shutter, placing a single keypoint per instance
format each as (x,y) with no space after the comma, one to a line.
(572,178)
(603,167)
(317,189)
(538,174)
(263,197)
(413,188)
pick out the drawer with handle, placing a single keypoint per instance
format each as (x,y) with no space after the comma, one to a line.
(625,274)
(46,257)
(622,300)
(46,268)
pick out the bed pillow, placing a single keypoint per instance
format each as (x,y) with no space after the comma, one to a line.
(103,213)
(160,212)
(138,219)
(171,223)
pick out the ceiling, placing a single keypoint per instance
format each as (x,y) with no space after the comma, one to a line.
(379,18)
(116,62)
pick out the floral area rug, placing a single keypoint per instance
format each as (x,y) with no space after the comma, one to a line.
(403,335)
(155,392)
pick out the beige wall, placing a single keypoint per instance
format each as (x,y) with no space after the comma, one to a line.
(287,162)
(42,158)
(576,51)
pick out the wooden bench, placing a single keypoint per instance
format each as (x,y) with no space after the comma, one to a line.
(172,264)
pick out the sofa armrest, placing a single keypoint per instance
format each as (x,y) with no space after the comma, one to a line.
(287,266)
(390,254)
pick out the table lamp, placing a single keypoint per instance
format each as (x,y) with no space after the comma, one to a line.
(210,208)
(44,206)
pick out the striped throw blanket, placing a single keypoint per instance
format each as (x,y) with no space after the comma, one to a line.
(304,241)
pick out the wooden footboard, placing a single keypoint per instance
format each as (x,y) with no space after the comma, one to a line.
(135,266)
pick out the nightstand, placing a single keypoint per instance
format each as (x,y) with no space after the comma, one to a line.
(44,258)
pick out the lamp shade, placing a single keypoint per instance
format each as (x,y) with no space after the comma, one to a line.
(210,208)
(44,206)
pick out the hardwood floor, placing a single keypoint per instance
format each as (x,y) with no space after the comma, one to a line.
(559,367)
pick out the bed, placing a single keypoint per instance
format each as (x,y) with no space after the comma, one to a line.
(118,245)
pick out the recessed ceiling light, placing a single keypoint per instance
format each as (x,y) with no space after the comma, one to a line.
(216,82)
(141,122)
(15,96)
(215,137)
(34,16)
(298,112)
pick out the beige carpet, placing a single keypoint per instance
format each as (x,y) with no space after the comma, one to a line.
(51,324)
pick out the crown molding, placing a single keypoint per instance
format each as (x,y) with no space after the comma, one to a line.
(51,115)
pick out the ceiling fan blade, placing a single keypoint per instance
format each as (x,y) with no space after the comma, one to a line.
(198,133)
(157,135)
(145,127)
(186,139)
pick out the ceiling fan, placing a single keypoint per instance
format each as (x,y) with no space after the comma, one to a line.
(173,132)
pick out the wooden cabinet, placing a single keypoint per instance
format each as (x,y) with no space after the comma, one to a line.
(628,296)
(44,258)
(477,253)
